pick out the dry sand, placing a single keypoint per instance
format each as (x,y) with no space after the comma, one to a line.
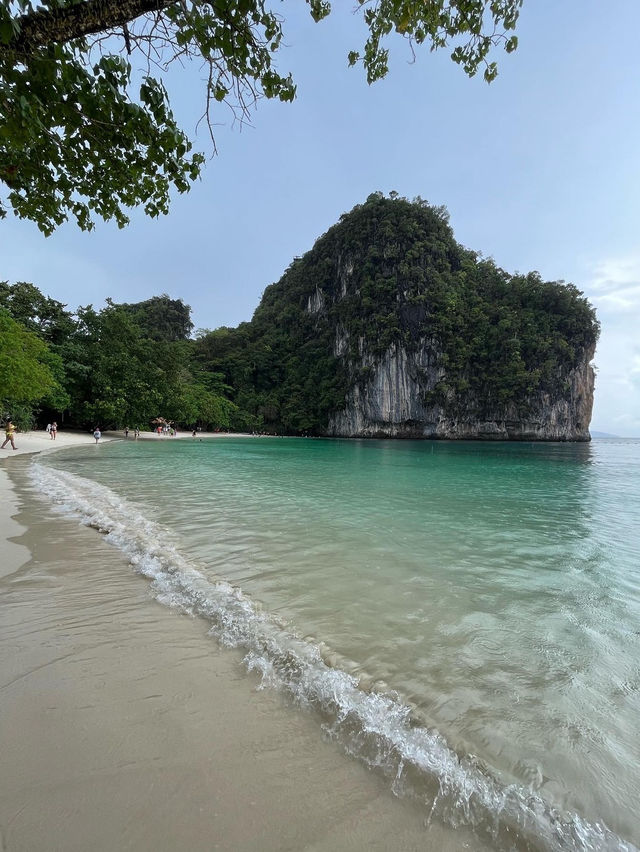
(125,727)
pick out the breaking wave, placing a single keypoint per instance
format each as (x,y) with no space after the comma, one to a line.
(376,727)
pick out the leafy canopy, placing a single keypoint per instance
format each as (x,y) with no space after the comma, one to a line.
(124,365)
(27,369)
(81,136)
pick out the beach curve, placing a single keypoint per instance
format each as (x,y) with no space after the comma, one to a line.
(127,727)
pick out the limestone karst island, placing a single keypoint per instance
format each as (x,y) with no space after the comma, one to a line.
(387,327)
(390,328)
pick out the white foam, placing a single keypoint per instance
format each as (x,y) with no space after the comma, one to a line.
(376,727)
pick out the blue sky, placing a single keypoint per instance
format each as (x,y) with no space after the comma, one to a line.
(539,170)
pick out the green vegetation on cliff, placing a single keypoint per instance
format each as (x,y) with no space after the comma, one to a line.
(388,274)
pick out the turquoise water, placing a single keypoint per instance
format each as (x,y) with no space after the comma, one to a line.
(464,616)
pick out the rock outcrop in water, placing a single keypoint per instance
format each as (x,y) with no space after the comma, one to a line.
(389,328)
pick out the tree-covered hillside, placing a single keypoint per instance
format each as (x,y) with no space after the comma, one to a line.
(391,272)
(388,276)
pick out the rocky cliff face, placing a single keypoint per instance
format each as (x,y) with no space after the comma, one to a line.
(390,403)
(392,393)
(389,327)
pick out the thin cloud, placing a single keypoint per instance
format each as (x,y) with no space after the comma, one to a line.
(616,284)
(614,289)
(616,272)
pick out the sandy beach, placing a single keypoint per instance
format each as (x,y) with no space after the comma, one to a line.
(14,554)
(125,726)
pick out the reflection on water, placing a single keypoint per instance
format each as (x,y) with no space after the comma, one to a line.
(495,587)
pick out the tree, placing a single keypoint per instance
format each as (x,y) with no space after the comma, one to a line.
(38,313)
(129,376)
(162,318)
(77,141)
(28,370)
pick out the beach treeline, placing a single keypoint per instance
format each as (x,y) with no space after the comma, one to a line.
(120,366)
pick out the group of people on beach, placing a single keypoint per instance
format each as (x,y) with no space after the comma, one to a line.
(165,429)
(51,429)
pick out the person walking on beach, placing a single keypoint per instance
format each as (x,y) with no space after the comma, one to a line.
(53,431)
(126,431)
(97,434)
(136,433)
(9,431)
(48,429)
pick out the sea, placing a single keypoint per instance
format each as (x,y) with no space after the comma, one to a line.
(462,617)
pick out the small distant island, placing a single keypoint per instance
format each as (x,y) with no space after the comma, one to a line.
(387,327)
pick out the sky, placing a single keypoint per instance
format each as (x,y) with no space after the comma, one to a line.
(539,170)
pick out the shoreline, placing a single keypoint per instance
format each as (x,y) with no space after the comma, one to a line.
(38,441)
(153,436)
(125,726)
(28,443)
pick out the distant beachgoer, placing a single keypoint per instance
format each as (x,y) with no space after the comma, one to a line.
(9,431)
(97,434)
(48,429)
(53,431)
(194,433)
(126,431)
(136,433)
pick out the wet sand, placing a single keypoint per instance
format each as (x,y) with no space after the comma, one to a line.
(125,727)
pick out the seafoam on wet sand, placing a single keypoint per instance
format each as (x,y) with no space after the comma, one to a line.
(125,726)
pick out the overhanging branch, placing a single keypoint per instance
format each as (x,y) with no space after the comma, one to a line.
(58,26)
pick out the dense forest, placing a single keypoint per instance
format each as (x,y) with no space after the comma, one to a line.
(388,273)
(122,366)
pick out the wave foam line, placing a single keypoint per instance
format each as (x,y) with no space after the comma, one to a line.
(375,727)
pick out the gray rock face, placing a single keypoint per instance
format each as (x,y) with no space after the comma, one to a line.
(391,275)
(391,402)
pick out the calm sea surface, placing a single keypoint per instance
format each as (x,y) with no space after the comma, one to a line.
(463,616)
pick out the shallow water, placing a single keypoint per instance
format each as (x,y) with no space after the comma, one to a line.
(463,616)
(126,727)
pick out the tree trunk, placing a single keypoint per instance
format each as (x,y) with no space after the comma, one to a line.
(51,26)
